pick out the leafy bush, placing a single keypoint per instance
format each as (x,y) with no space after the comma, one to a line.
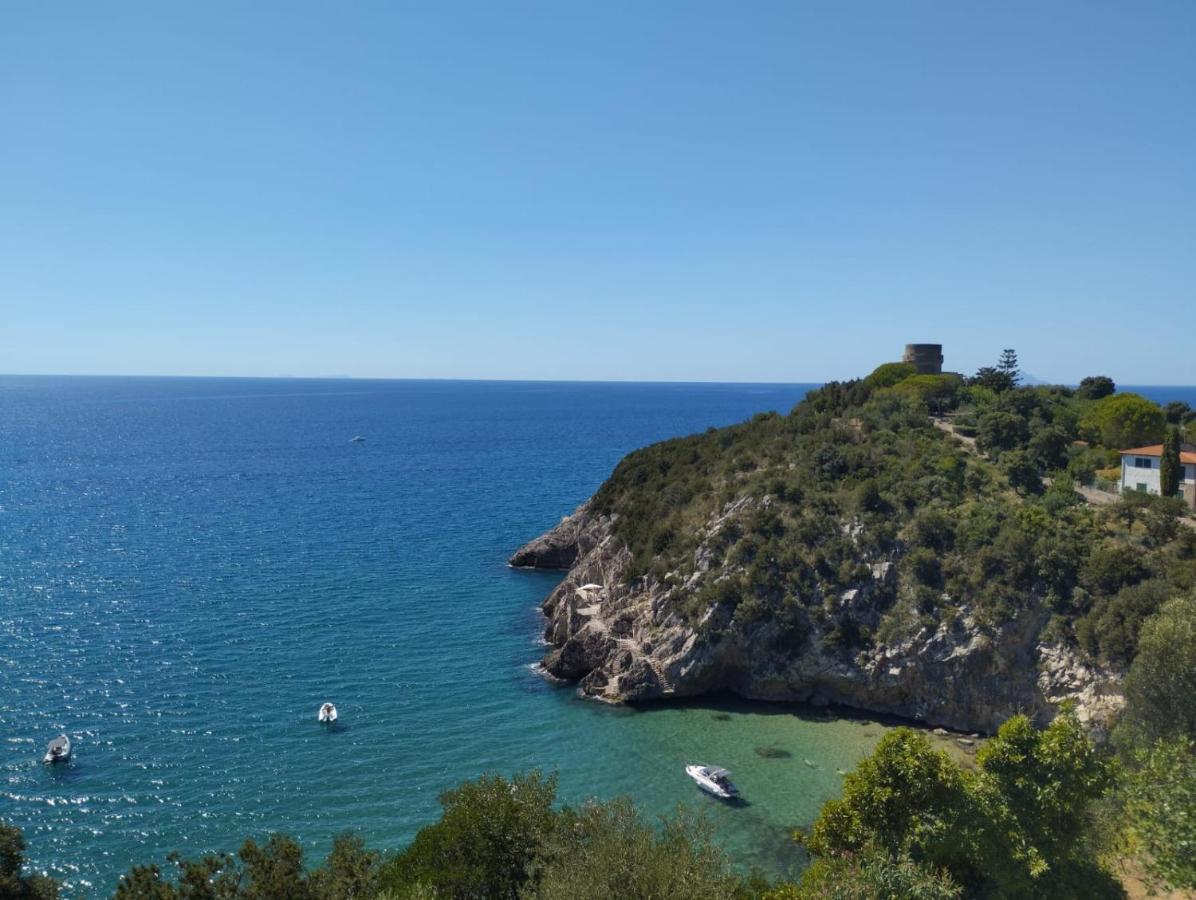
(258,872)
(13,884)
(870,875)
(997,432)
(1159,794)
(1160,689)
(1110,630)
(1013,828)
(1095,387)
(606,850)
(484,845)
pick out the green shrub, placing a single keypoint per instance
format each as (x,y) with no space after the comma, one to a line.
(489,834)
(14,884)
(606,850)
(1160,689)
(1160,808)
(1013,828)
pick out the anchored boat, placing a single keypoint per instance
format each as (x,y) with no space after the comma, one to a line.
(327,714)
(713,780)
(58,750)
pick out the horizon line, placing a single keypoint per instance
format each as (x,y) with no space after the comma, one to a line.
(1038,383)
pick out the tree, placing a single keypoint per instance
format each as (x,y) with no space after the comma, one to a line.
(1095,387)
(993,378)
(275,869)
(1178,413)
(1046,780)
(1169,470)
(606,850)
(936,391)
(998,432)
(1049,447)
(1124,420)
(1160,807)
(489,834)
(1160,690)
(13,884)
(905,797)
(1008,364)
(889,374)
(350,871)
(870,875)
(1015,828)
(1019,468)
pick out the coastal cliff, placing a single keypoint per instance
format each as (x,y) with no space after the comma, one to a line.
(622,640)
(849,553)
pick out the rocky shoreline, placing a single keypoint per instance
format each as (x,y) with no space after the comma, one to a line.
(622,640)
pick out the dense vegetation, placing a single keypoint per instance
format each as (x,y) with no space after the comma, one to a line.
(790,507)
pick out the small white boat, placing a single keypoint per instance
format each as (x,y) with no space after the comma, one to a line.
(713,780)
(327,714)
(58,750)
(357,439)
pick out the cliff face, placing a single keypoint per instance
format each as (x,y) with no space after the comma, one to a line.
(628,639)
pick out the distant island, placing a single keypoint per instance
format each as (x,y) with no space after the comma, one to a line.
(947,549)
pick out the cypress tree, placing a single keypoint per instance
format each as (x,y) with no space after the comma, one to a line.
(1169,464)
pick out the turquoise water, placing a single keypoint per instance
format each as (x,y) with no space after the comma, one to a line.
(189,567)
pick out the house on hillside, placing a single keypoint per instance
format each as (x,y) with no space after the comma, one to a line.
(1140,470)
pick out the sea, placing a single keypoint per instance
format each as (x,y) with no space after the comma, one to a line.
(189,567)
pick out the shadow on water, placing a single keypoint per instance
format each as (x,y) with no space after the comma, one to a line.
(724,706)
(62,772)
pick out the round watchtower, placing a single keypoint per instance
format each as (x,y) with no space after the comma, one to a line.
(927,358)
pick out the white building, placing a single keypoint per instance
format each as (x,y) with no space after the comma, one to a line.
(1140,470)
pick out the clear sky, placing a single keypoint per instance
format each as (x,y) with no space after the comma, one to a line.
(648,189)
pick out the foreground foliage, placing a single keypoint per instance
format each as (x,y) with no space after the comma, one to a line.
(14,883)
(1014,828)
(1159,797)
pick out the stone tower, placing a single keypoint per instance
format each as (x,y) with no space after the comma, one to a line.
(927,358)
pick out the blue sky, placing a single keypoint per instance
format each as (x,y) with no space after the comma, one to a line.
(617,190)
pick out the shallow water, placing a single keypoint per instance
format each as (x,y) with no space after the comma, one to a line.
(189,567)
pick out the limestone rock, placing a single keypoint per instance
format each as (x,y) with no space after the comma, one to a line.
(626,639)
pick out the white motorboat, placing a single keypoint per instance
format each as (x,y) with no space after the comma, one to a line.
(327,714)
(357,439)
(713,780)
(58,750)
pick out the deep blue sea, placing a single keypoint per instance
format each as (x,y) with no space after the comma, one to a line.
(1163,393)
(189,567)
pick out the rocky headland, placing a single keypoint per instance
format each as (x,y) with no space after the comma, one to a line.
(622,640)
(850,554)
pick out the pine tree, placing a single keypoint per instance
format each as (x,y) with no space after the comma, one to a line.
(1008,364)
(1169,464)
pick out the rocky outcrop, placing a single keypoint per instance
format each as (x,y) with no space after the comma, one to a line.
(625,639)
(560,547)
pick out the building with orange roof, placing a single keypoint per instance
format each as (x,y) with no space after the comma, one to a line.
(1140,470)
